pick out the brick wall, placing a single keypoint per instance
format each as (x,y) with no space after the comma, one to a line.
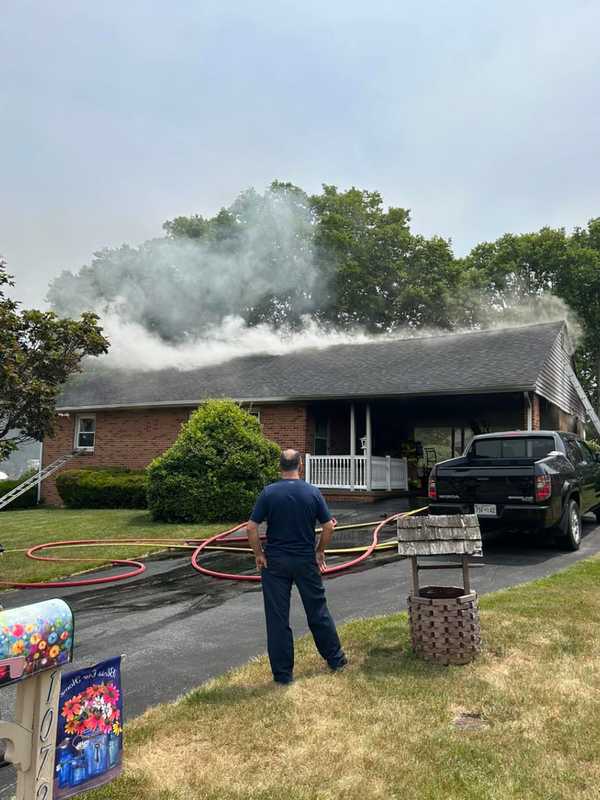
(536,414)
(129,438)
(132,438)
(289,426)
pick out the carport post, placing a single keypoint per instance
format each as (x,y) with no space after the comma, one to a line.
(529,411)
(369,446)
(352,446)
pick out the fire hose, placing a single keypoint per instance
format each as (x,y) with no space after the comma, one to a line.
(220,541)
(367,551)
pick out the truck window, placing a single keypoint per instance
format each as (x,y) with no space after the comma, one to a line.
(534,447)
(573,452)
(587,454)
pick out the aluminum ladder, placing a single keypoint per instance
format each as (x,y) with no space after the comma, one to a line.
(36,479)
(593,417)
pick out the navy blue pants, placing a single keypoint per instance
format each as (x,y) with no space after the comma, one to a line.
(277,579)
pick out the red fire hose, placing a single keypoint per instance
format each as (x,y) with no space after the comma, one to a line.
(220,537)
(136,568)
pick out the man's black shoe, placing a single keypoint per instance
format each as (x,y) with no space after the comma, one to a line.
(339,667)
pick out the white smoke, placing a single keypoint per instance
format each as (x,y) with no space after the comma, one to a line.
(134,348)
(530,311)
(179,303)
(261,252)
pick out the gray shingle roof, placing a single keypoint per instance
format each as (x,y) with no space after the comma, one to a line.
(484,361)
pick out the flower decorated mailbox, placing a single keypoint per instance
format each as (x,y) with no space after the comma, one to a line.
(35,642)
(34,638)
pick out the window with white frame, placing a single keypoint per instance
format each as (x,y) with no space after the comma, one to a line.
(85,432)
(255,412)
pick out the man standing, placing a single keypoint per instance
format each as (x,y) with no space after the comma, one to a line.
(291,508)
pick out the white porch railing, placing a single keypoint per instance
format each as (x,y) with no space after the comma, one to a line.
(352,472)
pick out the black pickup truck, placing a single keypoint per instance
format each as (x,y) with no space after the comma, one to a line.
(521,480)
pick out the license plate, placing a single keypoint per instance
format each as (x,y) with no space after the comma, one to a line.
(485,510)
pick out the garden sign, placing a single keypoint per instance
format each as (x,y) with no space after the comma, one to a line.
(89,736)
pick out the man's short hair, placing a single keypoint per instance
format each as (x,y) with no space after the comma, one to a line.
(289,460)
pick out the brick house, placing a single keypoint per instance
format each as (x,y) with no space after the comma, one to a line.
(356,409)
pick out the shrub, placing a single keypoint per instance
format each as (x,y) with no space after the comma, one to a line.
(216,468)
(26,500)
(103,488)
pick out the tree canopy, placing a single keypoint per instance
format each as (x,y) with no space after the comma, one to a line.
(38,352)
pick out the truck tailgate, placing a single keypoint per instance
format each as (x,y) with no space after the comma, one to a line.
(480,484)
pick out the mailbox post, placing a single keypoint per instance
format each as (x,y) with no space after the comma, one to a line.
(35,642)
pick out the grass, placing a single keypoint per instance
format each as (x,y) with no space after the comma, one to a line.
(20,530)
(387,727)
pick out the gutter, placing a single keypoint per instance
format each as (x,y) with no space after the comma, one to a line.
(298,398)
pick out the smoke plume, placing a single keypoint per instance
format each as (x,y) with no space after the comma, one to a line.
(256,261)
(134,347)
(250,283)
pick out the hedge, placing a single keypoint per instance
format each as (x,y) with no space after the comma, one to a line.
(103,488)
(218,465)
(26,500)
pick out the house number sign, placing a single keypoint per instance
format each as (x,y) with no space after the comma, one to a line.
(45,731)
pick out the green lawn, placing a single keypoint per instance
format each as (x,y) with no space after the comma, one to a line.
(22,529)
(389,727)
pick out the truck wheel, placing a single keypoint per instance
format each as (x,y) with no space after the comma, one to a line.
(597,513)
(570,527)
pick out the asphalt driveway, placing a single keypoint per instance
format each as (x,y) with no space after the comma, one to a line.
(177,628)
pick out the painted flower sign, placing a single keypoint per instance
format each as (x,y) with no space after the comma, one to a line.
(34,638)
(90,733)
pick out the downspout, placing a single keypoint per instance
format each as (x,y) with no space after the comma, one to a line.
(39,486)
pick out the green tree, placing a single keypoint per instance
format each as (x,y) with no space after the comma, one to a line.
(378,274)
(579,285)
(523,269)
(215,469)
(194,227)
(38,352)
(517,266)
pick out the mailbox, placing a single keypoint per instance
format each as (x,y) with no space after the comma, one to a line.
(34,638)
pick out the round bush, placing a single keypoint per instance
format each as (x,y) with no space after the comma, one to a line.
(216,468)
(102,488)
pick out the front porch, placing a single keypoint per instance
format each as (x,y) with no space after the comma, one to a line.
(372,448)
(353,471)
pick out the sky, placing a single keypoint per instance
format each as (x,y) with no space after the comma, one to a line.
(481,118)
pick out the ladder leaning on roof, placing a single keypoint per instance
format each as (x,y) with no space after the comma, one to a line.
(592,416)
(36,479)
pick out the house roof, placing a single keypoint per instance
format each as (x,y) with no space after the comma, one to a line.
(479,362)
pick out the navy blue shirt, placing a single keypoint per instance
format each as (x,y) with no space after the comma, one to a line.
(291,508)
